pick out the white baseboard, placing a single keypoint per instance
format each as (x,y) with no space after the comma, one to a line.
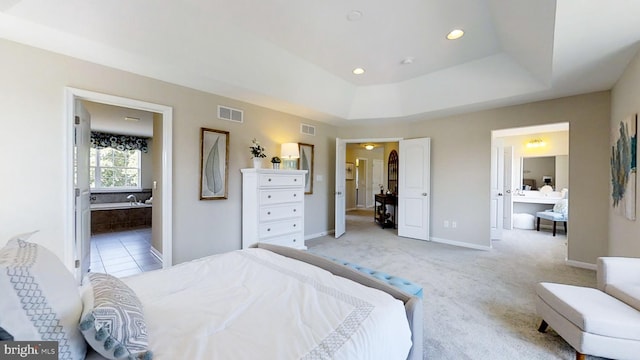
(156,253)
(580,264)
(320,234)
(460,244)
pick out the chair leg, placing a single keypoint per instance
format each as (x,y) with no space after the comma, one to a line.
(580,356)
(565,227)
(538,226)
(554,228)
(543,326)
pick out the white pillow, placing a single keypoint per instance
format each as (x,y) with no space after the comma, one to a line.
(40,298)
(562,207)
(112,320)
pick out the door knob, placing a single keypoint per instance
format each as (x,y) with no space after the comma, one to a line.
(499,194)
(508,191)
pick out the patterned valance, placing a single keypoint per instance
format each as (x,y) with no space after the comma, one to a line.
(121,142)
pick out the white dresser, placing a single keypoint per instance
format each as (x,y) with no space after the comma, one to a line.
(273,207)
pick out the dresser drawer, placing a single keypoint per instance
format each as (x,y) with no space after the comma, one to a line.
(279,228)
(279,180)
(280,196)
(269,213)
(291,240)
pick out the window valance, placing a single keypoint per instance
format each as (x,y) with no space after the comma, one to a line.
(120,142)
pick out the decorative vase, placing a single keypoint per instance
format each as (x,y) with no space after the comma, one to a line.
(276,166)
(257,163)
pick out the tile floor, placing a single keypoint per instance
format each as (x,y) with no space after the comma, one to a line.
(123,253)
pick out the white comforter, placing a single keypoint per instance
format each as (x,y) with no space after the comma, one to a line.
(254,304)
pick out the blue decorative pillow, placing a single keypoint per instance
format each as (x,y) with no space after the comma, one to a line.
(5,336)
(40,298)
(112,319)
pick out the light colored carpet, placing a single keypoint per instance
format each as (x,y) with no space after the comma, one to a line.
(477,304)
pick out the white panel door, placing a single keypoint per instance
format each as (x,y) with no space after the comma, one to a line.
(497,188)
(82,139)
(414,184)
(340,208)
(508,187)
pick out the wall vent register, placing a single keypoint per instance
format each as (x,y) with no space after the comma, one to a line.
(230,114)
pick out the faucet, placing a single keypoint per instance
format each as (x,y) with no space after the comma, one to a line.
(132,199)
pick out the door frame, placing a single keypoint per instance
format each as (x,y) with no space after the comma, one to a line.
(71,94)
(533,129)
(340,176)
(359,161)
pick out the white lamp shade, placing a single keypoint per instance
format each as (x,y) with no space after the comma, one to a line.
(289,151)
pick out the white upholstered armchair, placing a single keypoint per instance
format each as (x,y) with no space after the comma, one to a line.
(602,322)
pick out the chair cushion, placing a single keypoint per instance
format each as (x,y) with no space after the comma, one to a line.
(592,310)
(550,215)
(628,293)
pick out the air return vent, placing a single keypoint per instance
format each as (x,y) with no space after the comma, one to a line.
(308,129)
(227,113)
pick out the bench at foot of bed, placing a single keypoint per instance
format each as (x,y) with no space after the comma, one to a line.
(402,284)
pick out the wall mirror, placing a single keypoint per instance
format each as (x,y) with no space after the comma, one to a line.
(535,168)
(392,175)
(545,170)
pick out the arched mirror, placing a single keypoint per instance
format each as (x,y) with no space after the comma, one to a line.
(392,175)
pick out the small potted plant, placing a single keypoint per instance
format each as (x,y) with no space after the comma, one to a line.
(257,153)
(276,162)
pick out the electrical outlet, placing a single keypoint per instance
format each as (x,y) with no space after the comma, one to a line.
(446,223)
(454,224)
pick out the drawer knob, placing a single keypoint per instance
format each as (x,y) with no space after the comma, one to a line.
(294,240)
(294,180)
(268,196)
(268,212)
(269,180)
(294,195)
(269,229)
(294,210)
(294,225)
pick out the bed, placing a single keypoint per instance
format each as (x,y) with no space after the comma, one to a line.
(267,302)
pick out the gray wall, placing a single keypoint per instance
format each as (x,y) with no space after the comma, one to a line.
(34,127)
(33,109)
(460,167)
(624,234)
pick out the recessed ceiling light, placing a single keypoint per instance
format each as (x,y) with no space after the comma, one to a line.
(354,15)
(358,71)
(455,34)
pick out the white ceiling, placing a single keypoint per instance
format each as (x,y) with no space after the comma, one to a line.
(297,55)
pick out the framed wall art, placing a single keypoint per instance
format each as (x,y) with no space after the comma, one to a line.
(624,148)
(306,163)
(214,163)
(349,171)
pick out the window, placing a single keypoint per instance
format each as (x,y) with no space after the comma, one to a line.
(110,168)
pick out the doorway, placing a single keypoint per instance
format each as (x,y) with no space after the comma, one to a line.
(522,177)
(122,159)
(417,164)
(78,244)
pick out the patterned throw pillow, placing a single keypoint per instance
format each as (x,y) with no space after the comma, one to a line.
(39,298)
(112,319)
